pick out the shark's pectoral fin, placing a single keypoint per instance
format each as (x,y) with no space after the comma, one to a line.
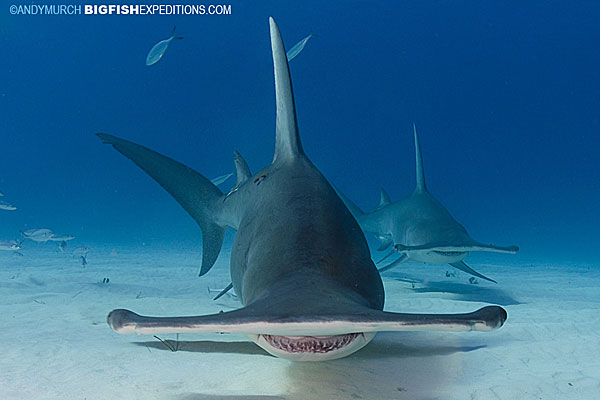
(465,268)
(222,292)
(392,251)
(398,261)
(195,193)
(248,321)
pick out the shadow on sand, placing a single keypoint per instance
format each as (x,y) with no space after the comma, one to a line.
(402,365)
(205,346)
(466,292)
(377,349)
(198,396)
(483,293)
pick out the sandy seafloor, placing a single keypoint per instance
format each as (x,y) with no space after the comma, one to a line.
(56,343)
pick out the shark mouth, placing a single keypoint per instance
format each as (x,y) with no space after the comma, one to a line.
(313,348)
(310,344)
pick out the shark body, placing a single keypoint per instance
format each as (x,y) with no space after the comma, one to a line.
(300,263)
(420,228)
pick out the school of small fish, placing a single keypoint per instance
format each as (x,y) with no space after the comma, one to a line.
(38,235)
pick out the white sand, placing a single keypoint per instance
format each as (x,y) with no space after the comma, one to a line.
(57,345)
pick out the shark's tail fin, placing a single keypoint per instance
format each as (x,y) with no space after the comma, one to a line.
(195,193)
(419,163)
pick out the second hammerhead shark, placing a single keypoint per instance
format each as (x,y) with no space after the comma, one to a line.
(420,228)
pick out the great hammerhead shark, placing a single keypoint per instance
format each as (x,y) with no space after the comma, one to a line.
(300,263)
(420,228)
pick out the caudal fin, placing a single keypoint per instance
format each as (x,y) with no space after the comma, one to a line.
(173,34)
(195,193)
(465,268)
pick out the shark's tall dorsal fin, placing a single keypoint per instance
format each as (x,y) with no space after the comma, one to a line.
(287,140)
(242,171)
(419,163)
(385,199)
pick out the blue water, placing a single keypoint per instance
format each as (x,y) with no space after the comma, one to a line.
(505,96)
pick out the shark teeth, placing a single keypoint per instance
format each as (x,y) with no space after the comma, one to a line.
(310,344)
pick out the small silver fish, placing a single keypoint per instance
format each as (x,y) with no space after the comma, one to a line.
(221,179)
(80,251)
(10,246)
(37,235)
(298,47)
(5,206)
(61,238)
(158,50)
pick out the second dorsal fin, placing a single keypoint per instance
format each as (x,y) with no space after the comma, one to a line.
(385,199)
(242,172)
